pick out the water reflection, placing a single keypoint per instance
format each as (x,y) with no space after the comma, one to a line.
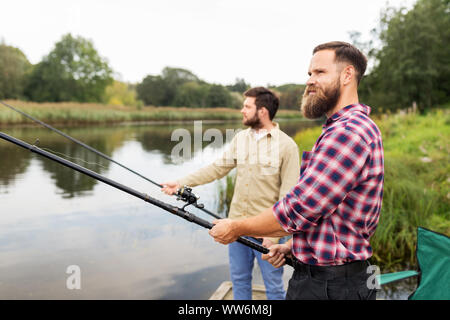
(155,138)
(13,161)
(71,182)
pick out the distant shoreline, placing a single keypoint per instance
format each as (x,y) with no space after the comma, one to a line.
(71,113)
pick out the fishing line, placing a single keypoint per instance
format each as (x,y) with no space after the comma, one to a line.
(65,156)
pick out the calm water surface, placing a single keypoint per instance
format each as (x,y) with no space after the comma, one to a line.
(52,217)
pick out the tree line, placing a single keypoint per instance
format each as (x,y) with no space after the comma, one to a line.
(409,53)
(74,71)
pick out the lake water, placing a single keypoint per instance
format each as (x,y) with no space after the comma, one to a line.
(52,217)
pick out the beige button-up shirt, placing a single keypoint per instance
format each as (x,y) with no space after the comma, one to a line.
(266,169)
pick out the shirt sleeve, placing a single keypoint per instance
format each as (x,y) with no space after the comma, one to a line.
(216,170)
(332,172)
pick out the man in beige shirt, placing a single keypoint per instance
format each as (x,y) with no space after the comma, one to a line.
(267,167)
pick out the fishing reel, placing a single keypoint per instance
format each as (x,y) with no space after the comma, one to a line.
(185,194)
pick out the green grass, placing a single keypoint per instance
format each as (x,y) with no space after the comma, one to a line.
(88,113)
(417,182)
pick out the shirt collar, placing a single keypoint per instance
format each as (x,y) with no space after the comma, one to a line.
(352,107)
(273,132)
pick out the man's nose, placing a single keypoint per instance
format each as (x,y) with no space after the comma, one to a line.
(311,81)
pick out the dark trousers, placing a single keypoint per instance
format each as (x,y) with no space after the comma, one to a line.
(345,282)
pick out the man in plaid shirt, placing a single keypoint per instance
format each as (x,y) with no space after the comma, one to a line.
(334,208)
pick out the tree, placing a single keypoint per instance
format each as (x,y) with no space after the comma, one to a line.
(174,78)
(290,95)
(14,68)
(237,100)
(162,90)
(239,86)
(180,87)
(178,76)
(413,64)
(121,94)
(218,96)
(191,94)
(72,71)
(154,90)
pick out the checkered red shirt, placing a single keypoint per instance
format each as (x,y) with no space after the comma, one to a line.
(334,208)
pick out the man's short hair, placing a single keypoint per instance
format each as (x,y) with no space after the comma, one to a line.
(345,52)
(264,98)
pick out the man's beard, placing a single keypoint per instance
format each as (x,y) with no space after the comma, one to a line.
(316,105)
(254,122)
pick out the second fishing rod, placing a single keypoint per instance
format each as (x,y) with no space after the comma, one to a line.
(184,193)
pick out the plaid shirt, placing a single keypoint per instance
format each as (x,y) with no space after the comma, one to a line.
(334,208)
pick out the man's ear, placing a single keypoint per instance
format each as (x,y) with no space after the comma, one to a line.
(263,111)
(348,74)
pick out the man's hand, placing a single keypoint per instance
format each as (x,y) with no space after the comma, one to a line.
(170,187)
(267,243)
(224,231)
(277,254)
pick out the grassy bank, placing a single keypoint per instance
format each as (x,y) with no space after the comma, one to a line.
(87,113)
(417,180)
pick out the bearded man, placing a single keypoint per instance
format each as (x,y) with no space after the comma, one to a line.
(334,208)
(267,165)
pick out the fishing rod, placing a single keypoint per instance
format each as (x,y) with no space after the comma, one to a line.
(184,193)
(181,212)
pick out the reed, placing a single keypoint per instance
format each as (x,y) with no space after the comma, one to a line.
(226,191)
(68,113)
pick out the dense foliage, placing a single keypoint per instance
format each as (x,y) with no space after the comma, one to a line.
(14,68)
(412,66)
(72,71)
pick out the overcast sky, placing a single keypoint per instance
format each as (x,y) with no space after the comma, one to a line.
(218,40)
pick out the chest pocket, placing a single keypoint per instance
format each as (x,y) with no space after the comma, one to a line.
(268,164)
